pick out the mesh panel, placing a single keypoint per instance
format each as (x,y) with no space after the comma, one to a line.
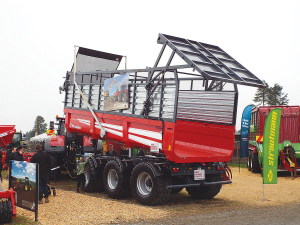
(206,106)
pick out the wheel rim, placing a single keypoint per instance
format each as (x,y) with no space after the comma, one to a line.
(144,183)
(112,179)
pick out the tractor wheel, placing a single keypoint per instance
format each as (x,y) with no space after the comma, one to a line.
(249,160)
(26,187)
(255,163)
(93,177)
(116,183)
(206,192)
(147,188)
(2,217)
(6,211)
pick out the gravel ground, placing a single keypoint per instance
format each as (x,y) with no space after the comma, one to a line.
(237,203)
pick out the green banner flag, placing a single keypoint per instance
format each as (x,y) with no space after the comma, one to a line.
(270,146)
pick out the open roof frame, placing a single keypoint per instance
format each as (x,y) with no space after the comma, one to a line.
(213,63)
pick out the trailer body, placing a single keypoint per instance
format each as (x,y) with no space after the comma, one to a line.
(6,135)
(183,116)
(288,143)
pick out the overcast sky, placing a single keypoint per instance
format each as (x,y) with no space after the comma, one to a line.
(37,44)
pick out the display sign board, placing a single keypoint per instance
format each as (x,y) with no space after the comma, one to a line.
(154,147)
(245,131)
(199,174)
(270,146)
(23,179)
(116,93)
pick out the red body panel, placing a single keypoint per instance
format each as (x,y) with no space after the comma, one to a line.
(87,141)
(6,134)
(181,142)
(203,142)
(57,140)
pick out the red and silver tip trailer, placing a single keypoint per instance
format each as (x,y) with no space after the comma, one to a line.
(186,109)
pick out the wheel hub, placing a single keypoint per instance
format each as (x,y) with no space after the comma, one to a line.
(144,183)
(112,179)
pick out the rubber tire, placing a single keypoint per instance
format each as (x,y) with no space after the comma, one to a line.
(93,177)
(206,192)
(249,160)
(255,163)
(5,211)
(2,207)
(158,193)
(9,211)
(122,185)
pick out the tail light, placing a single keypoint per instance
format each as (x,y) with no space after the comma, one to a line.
(220,168)
(175,170)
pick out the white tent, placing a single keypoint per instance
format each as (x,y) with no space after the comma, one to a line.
(40,137)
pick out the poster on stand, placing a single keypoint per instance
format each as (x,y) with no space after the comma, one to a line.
(116,93)
(23,179)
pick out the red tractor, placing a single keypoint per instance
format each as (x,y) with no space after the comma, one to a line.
(65,149)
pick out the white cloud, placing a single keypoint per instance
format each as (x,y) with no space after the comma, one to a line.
(18,164)
(30,169)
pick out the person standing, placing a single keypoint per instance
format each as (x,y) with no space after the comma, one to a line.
(140,152)
(8,155)
(43,159)
(80,174)
(124,150)
(7,159)
(18,155)
(111,151)
(12,154)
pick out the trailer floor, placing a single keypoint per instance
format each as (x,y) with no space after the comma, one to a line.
(237,203)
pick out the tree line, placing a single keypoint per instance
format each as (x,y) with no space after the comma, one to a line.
(39,127)
(271,95)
